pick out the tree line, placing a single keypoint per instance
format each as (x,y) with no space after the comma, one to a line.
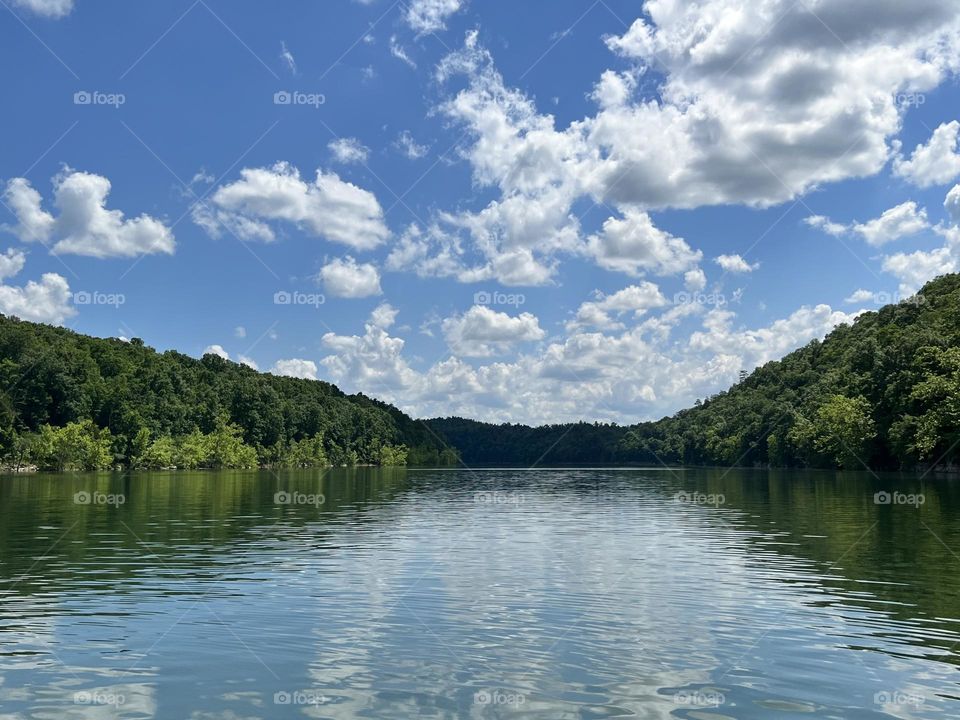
(73,402)
(882,393)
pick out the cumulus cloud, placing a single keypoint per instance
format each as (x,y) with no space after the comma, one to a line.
(349,151)
(633,245)
(216,350)
(742,104)
(83,225)
(47,301)
(250,363)
(53,9)
(296,368)
(859,296)
(482,331)
(347,279)
(328,207)
(935,163)
(898,222)
(952,204)
(735,264)
(628,375)
(11,263)
(410,147)
(430,16)
(603,312)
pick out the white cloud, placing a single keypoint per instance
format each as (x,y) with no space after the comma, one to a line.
(84,226)
(897,222)
(328,207)
(633,245)
(240,331)
(347,279)
(47,8)
(429,16)
(216,350)
(695,280)
(827,225)
(244,360)
(599,313)
(410,147)
(399,52)
(937,162)
(349,150)
(482,331)
(11,263)
(287,58)
(860,296)
(637,374)
(735,264)
(296,368)
(47,301)
(952,203)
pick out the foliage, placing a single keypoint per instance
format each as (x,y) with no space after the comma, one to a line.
(884,390)
(154,410)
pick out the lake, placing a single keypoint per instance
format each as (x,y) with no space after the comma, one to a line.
(555,593)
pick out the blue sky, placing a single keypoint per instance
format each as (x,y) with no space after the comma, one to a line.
(531,212)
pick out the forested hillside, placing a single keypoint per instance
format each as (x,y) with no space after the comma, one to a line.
(68,401)
(884,392)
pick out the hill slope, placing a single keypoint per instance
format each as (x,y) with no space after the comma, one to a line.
(53,376)
(883,393)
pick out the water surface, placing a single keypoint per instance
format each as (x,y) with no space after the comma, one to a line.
(471,594)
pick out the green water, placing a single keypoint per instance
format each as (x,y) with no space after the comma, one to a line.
(472,594)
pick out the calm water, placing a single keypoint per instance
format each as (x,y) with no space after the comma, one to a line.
(495,593)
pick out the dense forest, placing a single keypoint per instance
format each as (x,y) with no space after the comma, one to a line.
(882,393)
(72,402)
